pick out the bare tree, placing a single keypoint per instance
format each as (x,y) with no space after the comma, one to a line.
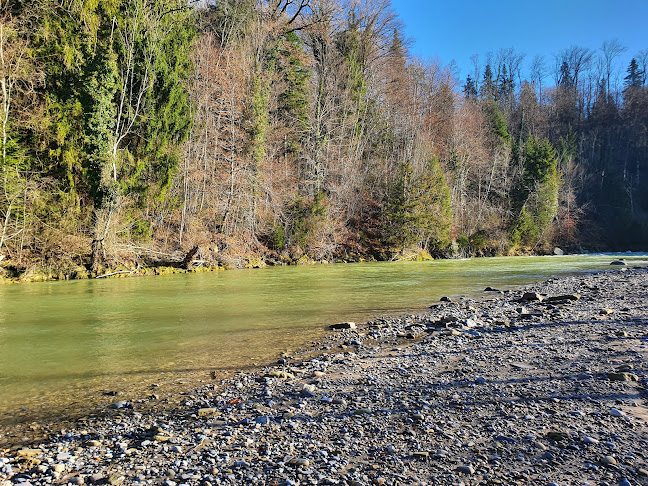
(642,59)
(538,73)
(611,50)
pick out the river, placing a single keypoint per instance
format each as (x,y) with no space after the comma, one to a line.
(66,347)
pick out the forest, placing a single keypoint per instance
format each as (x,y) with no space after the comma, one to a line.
(245,132)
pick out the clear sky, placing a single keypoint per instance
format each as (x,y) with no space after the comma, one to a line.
(457,29)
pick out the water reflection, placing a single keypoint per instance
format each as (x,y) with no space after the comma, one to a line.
(65,342)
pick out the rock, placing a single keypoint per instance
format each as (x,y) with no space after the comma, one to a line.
(642,472)
(557,436)
(122,404)
(531,296)
(625,482)
(620,263)
(420,455)
(616,412)
(558,298)
(362,411)
(590,440)
(621,334)
(281,374)
(445,299)
(606,312)
(450,332)
(299,461)
(204,412)
(176,448)
(28,453)
(308,390)
(491,289)
(59,468)
(558,251)
(162,437)
(625,367)
(343,325)
(466,469)
(608,461)
(116,479)
(94,443)
(622,376)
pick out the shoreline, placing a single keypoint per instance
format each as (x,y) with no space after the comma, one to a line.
(10,274)
(481,391)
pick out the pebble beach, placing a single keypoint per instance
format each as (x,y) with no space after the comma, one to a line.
(542,385)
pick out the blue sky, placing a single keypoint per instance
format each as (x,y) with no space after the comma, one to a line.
(457,29)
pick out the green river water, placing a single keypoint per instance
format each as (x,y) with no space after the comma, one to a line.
(64,344)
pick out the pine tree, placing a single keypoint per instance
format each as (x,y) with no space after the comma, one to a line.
(470,88)
(634,77)
(420,212)
(506,85)
(538,199)
(488,89)
(294,100)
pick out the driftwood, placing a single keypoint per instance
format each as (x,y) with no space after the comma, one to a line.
(115,273)
(186,263)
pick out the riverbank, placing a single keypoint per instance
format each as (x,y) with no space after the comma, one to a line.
(11,272)
(487,391)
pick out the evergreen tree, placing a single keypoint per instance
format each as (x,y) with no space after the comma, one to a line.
(488,89)
(634,77)
(506,85)
(116,104)
(419,212)
(294,100)
(538,198)
(470,88)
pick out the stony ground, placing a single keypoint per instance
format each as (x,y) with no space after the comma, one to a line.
(547,390)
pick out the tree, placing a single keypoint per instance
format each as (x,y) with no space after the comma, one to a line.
(19,78)
(538,196)
(611,50)
(634,77)
(470,88)
(420,213)
(488,88)
(118,71)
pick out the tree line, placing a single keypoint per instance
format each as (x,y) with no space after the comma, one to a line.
(296,130)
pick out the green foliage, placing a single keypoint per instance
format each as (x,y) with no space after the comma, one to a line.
(497,123)
(115,103)
(304,218)
(419,212)
(260,118)
(294,100)
(539,195)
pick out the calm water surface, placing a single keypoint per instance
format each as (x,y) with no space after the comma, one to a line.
(64,343)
